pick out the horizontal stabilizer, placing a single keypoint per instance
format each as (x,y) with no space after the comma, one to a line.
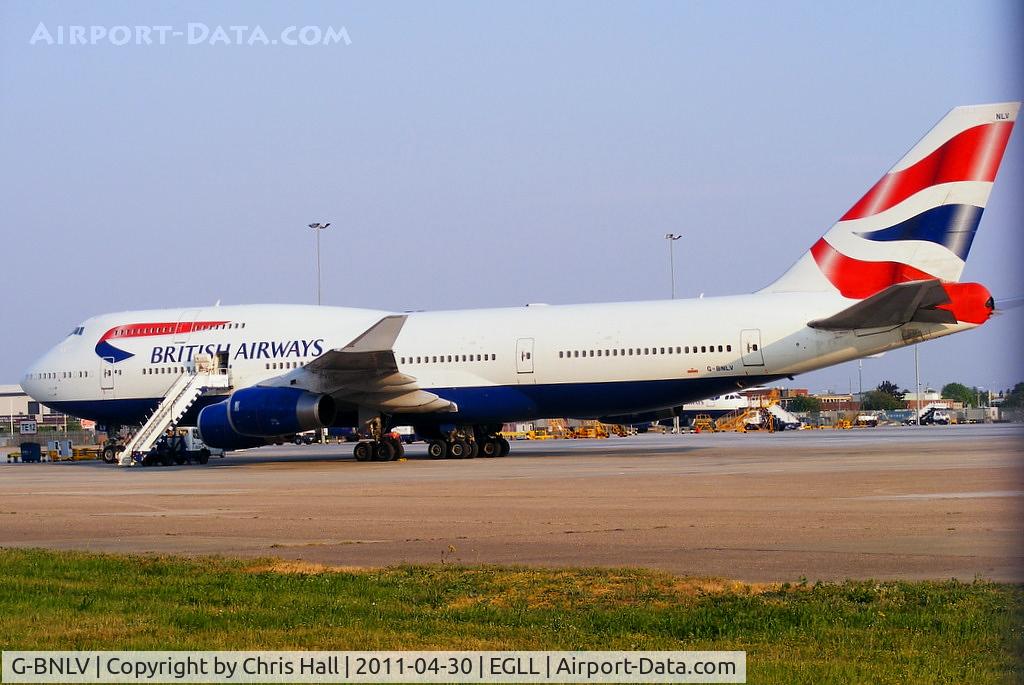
(896,305)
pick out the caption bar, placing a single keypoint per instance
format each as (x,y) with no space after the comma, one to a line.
(373,667)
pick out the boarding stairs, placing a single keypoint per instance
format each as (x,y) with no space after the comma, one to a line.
(782,417)
(930,409)
(739,421)
(182,394)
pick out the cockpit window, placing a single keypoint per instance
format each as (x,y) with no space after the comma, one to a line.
(78,331)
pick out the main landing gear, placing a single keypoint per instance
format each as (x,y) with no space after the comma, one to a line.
(381,446)
(460,442)
(387,448)
(468,443)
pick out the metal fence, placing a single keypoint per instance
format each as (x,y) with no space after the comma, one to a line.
(77,438)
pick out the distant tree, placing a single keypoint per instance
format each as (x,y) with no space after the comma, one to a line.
(879,400)
(804,403)
(958,392)
(1014,398)
(890,388)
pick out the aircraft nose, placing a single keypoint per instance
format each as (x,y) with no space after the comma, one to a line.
(33,380)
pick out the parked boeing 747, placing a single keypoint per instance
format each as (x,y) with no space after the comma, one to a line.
(886,275)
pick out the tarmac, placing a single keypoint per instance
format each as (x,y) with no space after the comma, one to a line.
(933,502)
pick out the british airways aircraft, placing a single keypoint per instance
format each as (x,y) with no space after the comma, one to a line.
(886,275)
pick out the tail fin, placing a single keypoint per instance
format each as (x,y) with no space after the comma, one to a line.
(918,221)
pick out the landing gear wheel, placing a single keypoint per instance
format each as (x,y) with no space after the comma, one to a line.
(489,448)
(458,450)
(474,450)
(385,451)
(437,449)
(363,451)
(110,454)
(503,447)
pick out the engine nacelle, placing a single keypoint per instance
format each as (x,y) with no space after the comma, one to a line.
(216,431)
(251,414)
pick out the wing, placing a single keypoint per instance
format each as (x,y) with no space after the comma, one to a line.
(896,305)
(364,374)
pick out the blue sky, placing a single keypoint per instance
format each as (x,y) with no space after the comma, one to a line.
(475,154)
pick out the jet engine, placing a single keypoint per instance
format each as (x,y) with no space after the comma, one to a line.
(252,415)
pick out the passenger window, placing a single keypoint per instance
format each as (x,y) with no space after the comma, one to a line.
(728,348)
(755,347)
(703,348)
(663,350)
(719,348)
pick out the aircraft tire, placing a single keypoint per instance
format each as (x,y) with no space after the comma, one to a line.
(457,450)
(490,448)
(503,447)
(385,451)
(363,451)
(474,450)
(437,449)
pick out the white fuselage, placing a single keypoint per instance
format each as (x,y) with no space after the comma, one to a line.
(571,353)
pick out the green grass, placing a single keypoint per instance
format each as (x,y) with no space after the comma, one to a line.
(857,631)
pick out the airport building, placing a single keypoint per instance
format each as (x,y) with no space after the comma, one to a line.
(16,407)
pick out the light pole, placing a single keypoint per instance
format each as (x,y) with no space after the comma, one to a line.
(317,227)
(917,381)
(672,238)
(860,380)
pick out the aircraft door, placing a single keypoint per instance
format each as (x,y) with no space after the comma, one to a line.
(750,347)
(524,355)
(107,376)
(184,328)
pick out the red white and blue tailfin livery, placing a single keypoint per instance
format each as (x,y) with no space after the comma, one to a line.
(918,221)
(885,276)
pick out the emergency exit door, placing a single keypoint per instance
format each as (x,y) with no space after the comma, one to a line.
(750,347)
(524,355)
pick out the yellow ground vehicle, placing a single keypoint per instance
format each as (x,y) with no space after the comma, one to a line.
(540,434)
(703,423)
(591,429)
